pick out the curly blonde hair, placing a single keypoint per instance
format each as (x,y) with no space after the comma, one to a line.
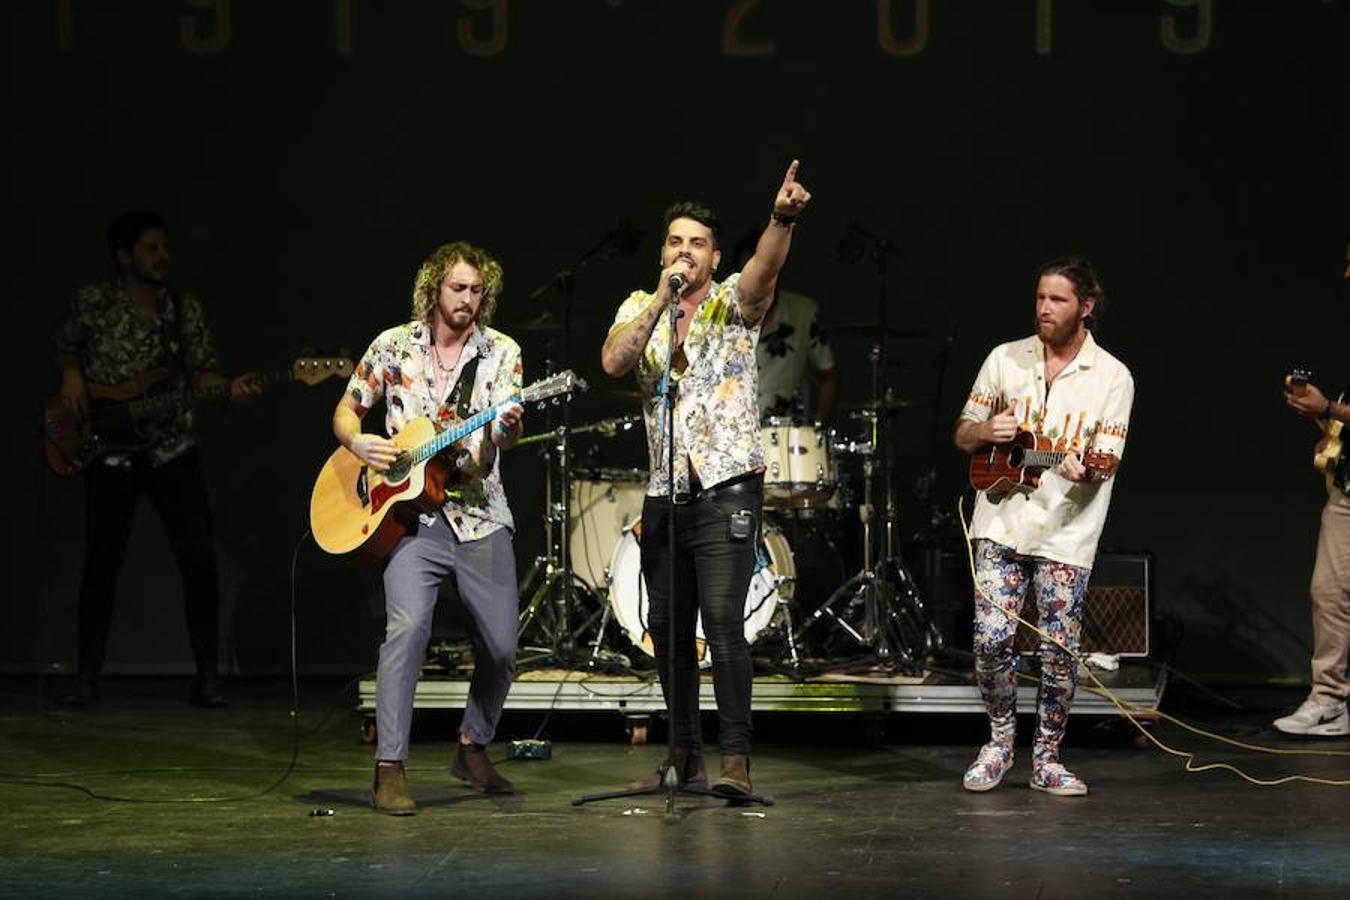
(427,284)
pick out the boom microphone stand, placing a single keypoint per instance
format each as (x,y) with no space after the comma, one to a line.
(670,779)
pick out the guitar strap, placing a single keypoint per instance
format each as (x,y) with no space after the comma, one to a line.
(461,397)
(172,329)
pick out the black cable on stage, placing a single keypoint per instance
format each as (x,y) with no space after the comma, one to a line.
(28,780)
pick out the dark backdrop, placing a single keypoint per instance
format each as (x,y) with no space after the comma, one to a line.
(309,154)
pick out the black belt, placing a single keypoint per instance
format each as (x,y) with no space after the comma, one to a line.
(740,484)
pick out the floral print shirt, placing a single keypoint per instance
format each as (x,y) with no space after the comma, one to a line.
(1087,407)
(399,367)
(113,342)
(716,404)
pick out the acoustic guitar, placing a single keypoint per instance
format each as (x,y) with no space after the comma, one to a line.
(1015,467)
(122,417)
(1329,453)
(355,509)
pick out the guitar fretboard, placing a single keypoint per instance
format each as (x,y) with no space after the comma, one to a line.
(451,435)
(175,401)
(1043,459)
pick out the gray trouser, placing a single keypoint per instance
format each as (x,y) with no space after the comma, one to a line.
(485,572)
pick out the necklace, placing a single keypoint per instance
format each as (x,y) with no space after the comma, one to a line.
(436,354)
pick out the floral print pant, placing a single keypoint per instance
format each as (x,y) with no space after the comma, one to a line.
(1002,577)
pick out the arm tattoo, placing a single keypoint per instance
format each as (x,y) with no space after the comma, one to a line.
(630,340)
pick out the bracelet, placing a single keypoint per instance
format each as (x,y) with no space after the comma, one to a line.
(781,219)
(1327,413)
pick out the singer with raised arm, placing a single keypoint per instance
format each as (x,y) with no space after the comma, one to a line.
(1062,394)
(718,466)
(443,364)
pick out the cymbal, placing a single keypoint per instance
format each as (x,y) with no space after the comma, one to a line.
(890,404)
(867,329)
(620,395)
(604,428)
(540,323)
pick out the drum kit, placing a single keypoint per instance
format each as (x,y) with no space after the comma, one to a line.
(589,576)
(800,614)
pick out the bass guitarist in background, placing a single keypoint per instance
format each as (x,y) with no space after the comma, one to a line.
(1064,388)
(441,364)
(1323,713)
(115,332)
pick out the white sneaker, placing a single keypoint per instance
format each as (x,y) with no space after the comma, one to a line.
(989,767)
(1055,779)
(1316,718)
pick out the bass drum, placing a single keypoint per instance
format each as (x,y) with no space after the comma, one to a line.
(773,582)
(604,505)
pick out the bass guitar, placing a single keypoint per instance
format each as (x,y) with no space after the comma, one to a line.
(121,417)
(1329,453)
(355,509)
(1016,466)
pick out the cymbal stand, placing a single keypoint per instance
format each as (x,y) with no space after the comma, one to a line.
(550,584)
(883,597)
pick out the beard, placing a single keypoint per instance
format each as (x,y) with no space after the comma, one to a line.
(1058,335)
(158,276)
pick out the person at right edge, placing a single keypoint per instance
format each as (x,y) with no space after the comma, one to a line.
(718,463)
(1323,713)
(1060,384)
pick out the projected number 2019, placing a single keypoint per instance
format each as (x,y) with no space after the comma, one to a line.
(903,27)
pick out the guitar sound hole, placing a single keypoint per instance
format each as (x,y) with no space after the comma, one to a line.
(1015,457)
(399,468)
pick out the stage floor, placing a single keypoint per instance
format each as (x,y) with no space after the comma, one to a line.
(850,820)
(1135,682)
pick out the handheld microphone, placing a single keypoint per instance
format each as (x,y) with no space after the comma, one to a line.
(677,282)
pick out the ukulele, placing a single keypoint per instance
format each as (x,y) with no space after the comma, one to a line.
(1015,467)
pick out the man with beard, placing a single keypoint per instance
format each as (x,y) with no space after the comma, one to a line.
(117,331)
(718,465)
(1323,713)
(445,364)
(1061,385)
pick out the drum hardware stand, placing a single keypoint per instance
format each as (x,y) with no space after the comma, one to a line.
(669,783)
(556,584)
(547,571)
(895,625)
(550,585)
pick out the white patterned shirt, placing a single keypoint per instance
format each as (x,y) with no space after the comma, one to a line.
(716,405)
(1087,407)
(790,343)
(399,367)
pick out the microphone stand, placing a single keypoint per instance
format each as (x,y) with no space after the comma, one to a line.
(669,783)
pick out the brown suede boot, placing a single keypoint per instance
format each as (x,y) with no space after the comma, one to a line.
(689,769)
(390,793)
(735,778)
(472,765)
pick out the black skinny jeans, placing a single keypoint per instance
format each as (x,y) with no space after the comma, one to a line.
(712,575)
(178,493)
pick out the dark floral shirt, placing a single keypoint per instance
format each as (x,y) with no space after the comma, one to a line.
(113,342)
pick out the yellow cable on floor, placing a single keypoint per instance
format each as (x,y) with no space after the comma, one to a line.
(1131,716)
